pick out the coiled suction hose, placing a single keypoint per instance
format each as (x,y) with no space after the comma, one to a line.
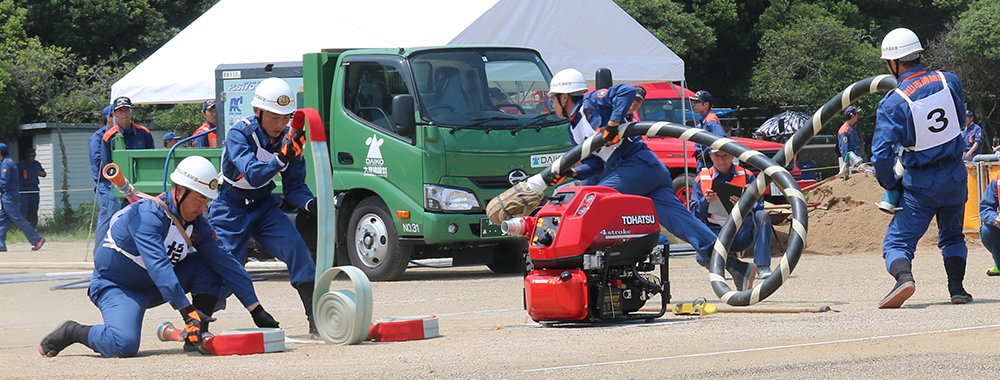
(771,169)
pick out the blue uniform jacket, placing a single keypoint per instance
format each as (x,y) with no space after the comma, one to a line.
(142,230)
(989,204)
(8,174)
(27,174)
(848,139)
(95,146)
(599,107)
(202,141)
(894,125)
(700,207)
(137,137)
(973,134)
(240,160)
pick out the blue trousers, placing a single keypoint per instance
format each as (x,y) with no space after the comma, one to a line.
(29,206)
(11,213)
(235,223)
(109,206)
(123,306)
(990,235)
(646,176)
(757,231)
(910,223)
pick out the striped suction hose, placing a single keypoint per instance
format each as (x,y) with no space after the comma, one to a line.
(769,168)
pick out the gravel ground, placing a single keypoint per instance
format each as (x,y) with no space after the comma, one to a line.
(486,333)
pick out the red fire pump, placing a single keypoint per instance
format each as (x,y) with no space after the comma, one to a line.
(591,257)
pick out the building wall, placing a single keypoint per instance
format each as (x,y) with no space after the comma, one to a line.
(46,144)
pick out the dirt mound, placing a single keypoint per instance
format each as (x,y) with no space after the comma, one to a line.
(852,223)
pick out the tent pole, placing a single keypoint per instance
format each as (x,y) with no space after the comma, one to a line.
(687,186)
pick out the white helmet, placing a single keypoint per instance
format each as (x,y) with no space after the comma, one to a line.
(274,94)
(198,174)
(901,44)
(568,81)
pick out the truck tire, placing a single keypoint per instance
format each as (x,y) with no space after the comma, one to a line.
(373,243)
(679,186)
(508,257)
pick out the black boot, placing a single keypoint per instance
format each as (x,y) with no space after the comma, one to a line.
(206,305)
(904,288)
(743,273)
(306,294)
(67,333)
(955,268)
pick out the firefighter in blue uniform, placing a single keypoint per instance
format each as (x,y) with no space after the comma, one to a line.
(28,172)
(989,230)
(10,211)
(628,166)
(972,133)
(848,140)
(701,103)
(134,136)
(145,261)
(755,231)
(257,150)
(923,116)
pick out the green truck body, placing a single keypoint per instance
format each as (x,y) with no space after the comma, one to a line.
(413,187)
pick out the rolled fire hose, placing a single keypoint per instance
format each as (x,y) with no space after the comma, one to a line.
(343,316)
(770,170)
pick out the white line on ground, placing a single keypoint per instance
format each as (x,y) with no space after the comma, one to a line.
(762,348)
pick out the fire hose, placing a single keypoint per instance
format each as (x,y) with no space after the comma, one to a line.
(771,170)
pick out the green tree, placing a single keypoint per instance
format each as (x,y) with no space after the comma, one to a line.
(971,49)
(682,32)
(97,29)
(808,62)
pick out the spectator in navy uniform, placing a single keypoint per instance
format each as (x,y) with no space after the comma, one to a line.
(119,123)
(169,140)
(28,172)
(207,140)
(10,212)
(701,103)
(973,136)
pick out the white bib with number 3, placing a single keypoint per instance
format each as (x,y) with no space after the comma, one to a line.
(935,118)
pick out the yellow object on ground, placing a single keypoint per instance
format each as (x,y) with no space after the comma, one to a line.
(698,307)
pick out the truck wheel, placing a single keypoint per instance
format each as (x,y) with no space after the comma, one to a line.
(373,243)
(508,257)
(679,187)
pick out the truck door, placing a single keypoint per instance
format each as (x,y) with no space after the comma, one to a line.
(369,152)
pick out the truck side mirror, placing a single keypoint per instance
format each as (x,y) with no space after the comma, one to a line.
(602,78)
(402,114)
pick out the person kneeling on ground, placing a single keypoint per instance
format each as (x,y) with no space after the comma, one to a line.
(756,231)
(145,261)
(989,230)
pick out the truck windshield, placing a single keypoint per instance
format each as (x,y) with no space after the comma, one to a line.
(483,88)
(665,110)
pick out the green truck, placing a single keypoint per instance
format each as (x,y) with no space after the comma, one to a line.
(420,140)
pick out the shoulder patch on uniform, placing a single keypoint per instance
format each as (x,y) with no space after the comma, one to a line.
(602,92)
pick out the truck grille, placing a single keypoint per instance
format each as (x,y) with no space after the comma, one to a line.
(498,182)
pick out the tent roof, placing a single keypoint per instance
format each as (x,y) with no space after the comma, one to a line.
(232,31)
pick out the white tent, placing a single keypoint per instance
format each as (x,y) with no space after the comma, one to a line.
(582,34)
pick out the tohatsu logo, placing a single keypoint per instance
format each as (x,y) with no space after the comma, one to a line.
(631,220)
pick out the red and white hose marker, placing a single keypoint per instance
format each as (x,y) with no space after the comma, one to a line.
(231,342)
(398,329)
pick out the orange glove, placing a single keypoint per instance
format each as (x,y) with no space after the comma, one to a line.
(607,133)
(558,178)
(292,145)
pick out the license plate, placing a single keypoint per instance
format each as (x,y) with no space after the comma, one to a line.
(775,190)
(489,230)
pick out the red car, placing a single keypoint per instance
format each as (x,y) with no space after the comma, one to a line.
(663,102)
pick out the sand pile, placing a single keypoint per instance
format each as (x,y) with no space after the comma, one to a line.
(852,223)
